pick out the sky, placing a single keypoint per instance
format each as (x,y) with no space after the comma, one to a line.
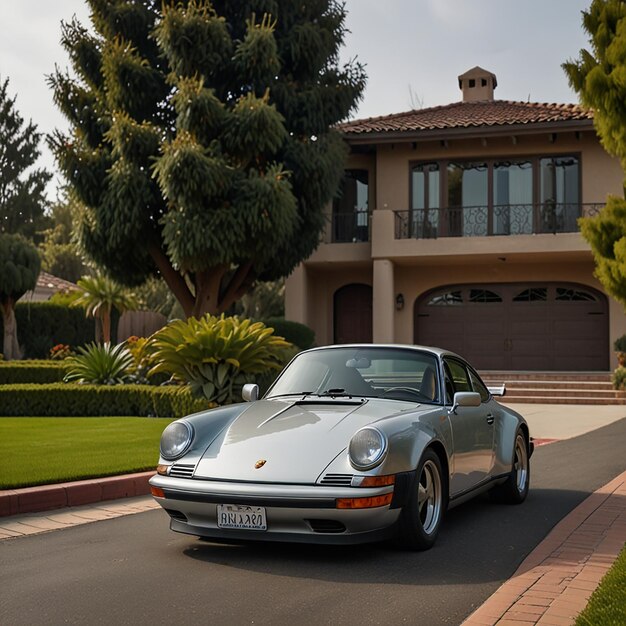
(413,51)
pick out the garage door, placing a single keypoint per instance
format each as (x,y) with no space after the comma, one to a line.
(533,326)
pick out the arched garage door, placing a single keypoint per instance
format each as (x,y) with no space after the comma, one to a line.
(533,326)
(353,314)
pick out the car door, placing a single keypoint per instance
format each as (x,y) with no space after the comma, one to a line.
(472,429)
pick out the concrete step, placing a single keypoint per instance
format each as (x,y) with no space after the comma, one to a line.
(560,400)
(542,376)
(557,392)
(591,385)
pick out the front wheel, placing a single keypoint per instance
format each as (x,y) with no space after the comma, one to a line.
(515,489)
(421,517)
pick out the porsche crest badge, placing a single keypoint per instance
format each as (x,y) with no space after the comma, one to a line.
(260,463)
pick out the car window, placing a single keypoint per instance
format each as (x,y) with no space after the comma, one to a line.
(479,386)
(458,374)
(391,373)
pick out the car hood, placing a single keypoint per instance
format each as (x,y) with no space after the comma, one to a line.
(296,439)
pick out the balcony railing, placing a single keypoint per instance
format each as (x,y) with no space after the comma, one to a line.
(348,227)
(483,221)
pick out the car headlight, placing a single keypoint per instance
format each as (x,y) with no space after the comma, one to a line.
(367,448)
(175,440)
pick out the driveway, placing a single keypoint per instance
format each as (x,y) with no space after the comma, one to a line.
(133,570)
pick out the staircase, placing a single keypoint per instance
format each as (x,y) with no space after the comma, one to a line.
(555,387)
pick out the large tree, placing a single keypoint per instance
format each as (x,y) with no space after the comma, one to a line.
(22,186)
(599,78)
(202,146)
(19,269)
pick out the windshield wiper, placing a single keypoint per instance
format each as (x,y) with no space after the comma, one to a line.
(289,395)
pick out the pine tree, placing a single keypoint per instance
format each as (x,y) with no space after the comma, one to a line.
(598,78)
(19,269)
(202,145)
(22,187)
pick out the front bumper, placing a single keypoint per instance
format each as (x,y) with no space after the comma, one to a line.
(298,513)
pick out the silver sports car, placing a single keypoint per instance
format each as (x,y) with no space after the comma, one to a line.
(352,443)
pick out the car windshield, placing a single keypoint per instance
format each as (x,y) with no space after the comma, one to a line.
(393,373)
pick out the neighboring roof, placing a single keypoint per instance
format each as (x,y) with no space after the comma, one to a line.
(48,281)
(493,114)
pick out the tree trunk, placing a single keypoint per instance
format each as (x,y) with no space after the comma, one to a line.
(106,325)
(11,349)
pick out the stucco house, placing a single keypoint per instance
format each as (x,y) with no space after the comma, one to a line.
(457,227)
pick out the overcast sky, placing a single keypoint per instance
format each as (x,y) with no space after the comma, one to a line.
(413,49)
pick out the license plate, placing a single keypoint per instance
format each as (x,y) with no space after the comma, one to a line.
(241,517)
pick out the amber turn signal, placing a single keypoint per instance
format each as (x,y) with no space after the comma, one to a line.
(157,492)
(377,481)
(162,469)
(364,503)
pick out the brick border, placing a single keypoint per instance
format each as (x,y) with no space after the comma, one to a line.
(553,584)
(61,495)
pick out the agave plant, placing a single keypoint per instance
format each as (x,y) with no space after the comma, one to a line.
(216,356)
(99,364)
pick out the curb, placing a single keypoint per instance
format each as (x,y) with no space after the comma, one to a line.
(61,495)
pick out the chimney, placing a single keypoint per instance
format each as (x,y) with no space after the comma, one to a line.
(477,84)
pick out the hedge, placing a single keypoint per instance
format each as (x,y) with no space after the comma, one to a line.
(32,371)
(298,334)
(74,400)
(43,325)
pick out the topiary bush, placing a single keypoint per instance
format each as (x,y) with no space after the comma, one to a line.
(216,356)
(33,371)
(298,334)
(74,400)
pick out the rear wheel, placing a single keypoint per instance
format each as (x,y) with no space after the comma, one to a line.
(421,517)
(515,489)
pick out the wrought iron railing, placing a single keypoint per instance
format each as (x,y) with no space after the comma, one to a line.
(348,227)
(482,221)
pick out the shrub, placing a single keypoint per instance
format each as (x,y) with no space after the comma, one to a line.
(216,356)
(293,332)
(619,379)
(72,400)
(99,365)
(60,351)
(42,325)
(37,372)
(619,345)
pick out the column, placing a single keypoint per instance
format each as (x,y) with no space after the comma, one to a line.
(383,302)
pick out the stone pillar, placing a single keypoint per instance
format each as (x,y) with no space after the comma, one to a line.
(297,295)
(383,302)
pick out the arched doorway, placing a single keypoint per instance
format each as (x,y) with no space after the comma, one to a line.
(518,326)
(352,308)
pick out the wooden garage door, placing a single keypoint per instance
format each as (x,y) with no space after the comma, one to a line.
(533,326)
(353,314)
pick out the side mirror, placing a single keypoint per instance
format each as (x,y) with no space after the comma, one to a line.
(250,392)
(465,398)
(497,391)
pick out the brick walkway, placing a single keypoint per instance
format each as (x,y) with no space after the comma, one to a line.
(34,523)
(552,586)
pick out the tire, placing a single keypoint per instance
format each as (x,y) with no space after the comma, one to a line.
(515,489)
(421,516)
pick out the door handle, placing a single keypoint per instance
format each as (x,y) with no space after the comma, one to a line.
(490,418)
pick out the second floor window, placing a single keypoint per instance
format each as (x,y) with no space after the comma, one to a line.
(351,208)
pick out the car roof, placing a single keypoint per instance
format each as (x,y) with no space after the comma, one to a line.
(365,346)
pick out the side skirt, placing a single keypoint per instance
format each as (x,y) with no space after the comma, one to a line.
(468,494)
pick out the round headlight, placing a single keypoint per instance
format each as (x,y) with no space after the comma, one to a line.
(175,440)
(367,448)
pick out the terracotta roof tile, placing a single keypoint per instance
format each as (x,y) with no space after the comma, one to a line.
(469,115)
(48,281)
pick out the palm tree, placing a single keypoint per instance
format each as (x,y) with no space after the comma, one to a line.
(99,295)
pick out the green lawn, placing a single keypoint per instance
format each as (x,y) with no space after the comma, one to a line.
(42,450)
(607,605)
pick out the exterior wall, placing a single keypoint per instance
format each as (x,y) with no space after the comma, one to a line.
(412,267)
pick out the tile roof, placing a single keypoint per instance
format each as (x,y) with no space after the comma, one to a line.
(48,281)
(491,113)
